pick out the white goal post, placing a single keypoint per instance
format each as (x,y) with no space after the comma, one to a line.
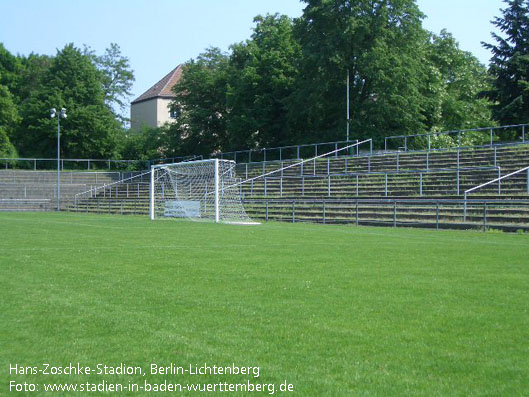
(197,190)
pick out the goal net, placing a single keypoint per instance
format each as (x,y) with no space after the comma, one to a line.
(198,190)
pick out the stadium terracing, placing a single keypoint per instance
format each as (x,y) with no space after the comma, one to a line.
(414,181)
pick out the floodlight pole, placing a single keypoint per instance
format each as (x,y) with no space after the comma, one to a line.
(58,163)
(347,105)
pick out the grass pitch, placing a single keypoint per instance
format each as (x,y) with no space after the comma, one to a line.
(333,310)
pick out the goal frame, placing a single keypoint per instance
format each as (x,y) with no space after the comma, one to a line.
(216,184)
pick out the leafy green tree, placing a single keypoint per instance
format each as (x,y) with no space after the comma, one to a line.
(262,77)
(201,96)
(117,78)
(456,80)
(9,119)
(72,81)
(510,64)
(381,43)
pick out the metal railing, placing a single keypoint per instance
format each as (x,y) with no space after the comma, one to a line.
(93,192)
(517,134)
(438,214)
(498,181)
(417,174)
(278,153)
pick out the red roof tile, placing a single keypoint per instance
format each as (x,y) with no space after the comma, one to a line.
(162,89)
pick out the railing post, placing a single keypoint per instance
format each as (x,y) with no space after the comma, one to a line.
(328,166)
(297,154)
(495,157)
(457,177)
(280,187)
(465,208)
(420,184)
(314,169)
(280,154)
(499,181)
(386,184)
(264,154)
(370,147)
(437,216)
(246,170)
(459,139)
(293,212)
(395,213)
(357,185)
(35,164)
(405,143)
(491,139)
(335,150)
(265,186)
(356,218)
(428,159)
(429,144)
(302,186)
(485,216)
(266,216)
(281,166)
(329,185)
(398,157)
(369,164)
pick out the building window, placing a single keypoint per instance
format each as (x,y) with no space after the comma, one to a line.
(174,113)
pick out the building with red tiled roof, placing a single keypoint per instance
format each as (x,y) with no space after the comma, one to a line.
(151,109)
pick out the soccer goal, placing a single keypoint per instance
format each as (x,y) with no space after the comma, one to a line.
(197,190)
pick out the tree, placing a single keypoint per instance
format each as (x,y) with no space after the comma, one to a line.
(262,76)
(9,119)
(456,80)
(201,96)
(117,78)
(510,64)
(72,81)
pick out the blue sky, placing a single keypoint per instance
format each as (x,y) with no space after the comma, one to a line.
(157,35)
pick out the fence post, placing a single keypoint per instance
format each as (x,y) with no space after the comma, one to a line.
(499,181)
(369,164)
(314,170)
(386,184)
(437,216)
(420,184)
(35,164)
(246,170)
(329,185)
(328,166)
(265,186)
(465,208)
(335,150)
(297,155)
(266,216)
(485,216)
(458,181)
(405,143)
(429,144)
(264,154)
(356,219)
(301,169)
(280,187)
(428,158)
(495,157)
(398,160)
(370,147)
(491,140)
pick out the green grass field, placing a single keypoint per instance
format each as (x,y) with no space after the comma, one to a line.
(333,310)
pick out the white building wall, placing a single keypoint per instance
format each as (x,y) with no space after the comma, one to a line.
(143,114)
